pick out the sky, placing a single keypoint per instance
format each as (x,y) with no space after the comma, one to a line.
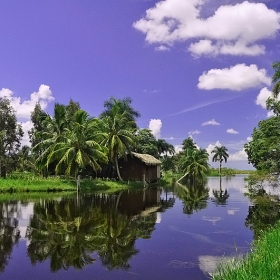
(199,68)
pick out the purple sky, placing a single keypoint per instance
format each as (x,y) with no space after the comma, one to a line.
(187,64)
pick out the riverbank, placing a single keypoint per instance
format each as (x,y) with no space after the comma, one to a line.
(262,263)
(38,184)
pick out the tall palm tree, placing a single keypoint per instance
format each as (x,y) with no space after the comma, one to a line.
(196,165)
(220,155)
(119,130)
(80,146)
(124,106)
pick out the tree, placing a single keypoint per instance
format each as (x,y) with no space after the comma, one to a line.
(10,137)
(264,150)
(276,79)
(165,148)
(220,155)
(146,143)
(124,106)
(196,165)
(37,117)
(79,146)
(119,126)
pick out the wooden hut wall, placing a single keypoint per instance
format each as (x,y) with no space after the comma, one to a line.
(134,169)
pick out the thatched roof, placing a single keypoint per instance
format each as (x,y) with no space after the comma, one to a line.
(147,159)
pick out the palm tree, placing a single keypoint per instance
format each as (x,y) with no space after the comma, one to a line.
(220,154)
(119,129)
(164,147)
(124,106)
(196,165)
(79,147)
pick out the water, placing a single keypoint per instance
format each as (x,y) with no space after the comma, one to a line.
(181,233)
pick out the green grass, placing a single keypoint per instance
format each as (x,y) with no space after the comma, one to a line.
(263,263)
(38,184)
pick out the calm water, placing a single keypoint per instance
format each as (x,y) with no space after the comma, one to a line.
(182,233)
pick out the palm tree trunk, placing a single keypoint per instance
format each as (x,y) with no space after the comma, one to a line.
(117,168)
(182,178)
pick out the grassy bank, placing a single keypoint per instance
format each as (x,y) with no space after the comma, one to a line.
(262,263)
(38,184)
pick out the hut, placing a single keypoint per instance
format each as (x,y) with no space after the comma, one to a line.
(138,167)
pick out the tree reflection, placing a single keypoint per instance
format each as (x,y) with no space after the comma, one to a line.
(220,196)
(264,213)
(9,232)
(68,232)
(193,196)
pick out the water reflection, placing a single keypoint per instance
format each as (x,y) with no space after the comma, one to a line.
(264,212)
(119,232)
(68,231)
(220,196)
(9,232)
(194,196)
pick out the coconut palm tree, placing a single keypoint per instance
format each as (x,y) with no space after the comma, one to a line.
(164,147)
(196,165)
(220,155)
(119,130)
(79,147)
(124,106)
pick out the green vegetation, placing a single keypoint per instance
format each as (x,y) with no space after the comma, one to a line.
(262,263)
(264,148)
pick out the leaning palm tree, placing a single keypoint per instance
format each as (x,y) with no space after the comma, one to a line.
(196,165)
(119,130)
(220,155)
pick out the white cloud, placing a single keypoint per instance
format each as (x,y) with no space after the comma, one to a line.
(240,155)
(194,132)
(211,147)
(24,108)
(178,148)
(249,138)
(155,126)
(26,126)
(238,77)
(162,48)
(232,29)
(232,131)
(211,122)
(263,96)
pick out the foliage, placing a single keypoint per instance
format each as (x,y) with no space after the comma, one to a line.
(264,150)
(10,136)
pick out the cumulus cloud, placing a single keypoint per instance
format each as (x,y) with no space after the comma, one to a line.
(171,21)
(194,132)
(211,122)
(232,131)
(238,77)
(155,126)
(249,138)
(26,126)
(24,108)
(162,48)
(240,155)
(211,147)
(263,96)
